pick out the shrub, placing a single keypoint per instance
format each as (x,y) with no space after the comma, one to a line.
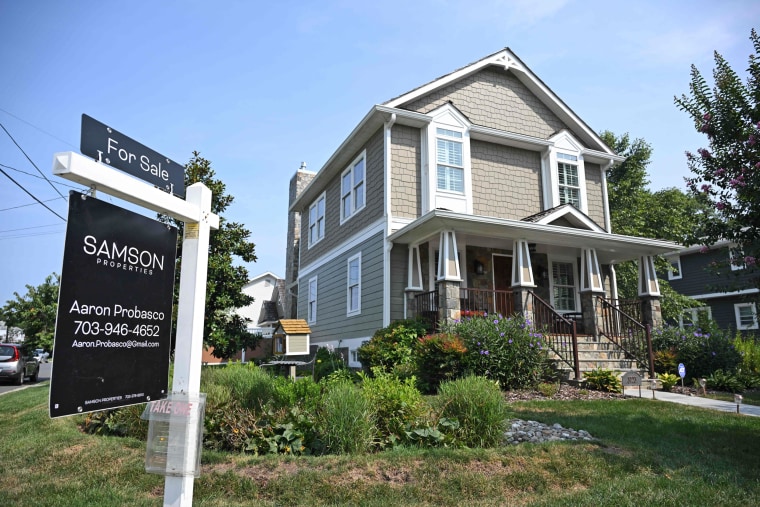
(397,403)
(477,404)
(702,350)
(438,357)
(250,385)
(327,361)
(668,380)
(392,345)
(346,420)
(601,379)
(721,381)
(547,389)
(121,422)
(507,350)
(665,361)
(749,350)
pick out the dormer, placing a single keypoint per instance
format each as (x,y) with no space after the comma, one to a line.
(563,173)
(446,167)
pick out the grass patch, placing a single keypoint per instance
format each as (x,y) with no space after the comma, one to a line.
(646,453)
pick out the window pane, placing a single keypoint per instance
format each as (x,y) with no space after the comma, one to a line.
(746,316)
(569,196)
(346,184)
(347,206)
(353,272)
(359,171)
(449,152)
(359,196)
(447,132)
(568,175)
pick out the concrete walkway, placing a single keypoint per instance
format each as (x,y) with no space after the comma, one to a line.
(694,401)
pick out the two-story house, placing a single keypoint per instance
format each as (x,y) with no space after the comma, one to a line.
(480,191)
(719,279)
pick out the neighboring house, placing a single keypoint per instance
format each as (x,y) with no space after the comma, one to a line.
(721,282)
(480,191)
(263,314)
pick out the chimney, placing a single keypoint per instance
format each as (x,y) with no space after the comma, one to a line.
(298,183)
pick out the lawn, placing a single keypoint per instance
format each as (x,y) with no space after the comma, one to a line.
(646,453)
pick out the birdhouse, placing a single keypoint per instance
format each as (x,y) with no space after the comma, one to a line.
(291,337)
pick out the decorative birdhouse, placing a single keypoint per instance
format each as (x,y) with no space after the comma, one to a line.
(291,337)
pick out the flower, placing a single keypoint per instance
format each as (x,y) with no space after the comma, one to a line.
(750,261)
(720,206)
(510,340)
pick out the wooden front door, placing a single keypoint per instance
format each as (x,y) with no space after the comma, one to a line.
(502,281)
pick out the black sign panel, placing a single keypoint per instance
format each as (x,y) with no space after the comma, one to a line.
(113,332)
(111,147)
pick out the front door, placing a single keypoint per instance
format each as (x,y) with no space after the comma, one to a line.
(502,281)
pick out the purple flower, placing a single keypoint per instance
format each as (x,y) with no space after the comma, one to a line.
(707,116)
(750,261)
(713,353)
(720,206)
(720,172)
(495,321)
(704,249)
(510,340)
(501,335)
(751,140)
(706,187)
(704,153)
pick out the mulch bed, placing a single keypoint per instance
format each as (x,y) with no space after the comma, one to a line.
(565,393)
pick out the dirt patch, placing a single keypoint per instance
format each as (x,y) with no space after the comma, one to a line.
(565,393)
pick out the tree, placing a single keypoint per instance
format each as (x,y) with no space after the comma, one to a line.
(727,173)
(636,211)
(35,312)
(224,330)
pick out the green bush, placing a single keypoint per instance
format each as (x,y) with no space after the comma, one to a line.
(120,422)
(397,403)
(507,350)
(724,381)
(749,350)
(438,357)
(668,380)
(547,389)
(477,404)
(250,385)
(392,345)
(702,350)
(346,420)
(601,379)
(327,361)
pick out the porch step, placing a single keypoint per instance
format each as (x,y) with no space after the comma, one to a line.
(594,353)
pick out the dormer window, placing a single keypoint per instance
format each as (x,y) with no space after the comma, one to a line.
(450,168)
(569,185)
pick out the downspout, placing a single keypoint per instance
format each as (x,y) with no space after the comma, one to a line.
(388,219)
(607,221)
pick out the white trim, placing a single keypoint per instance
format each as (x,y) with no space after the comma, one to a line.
(522,269)
(414,268)
(672,275)
(560,259)
(349,310)
(649,285)
(449,118)
(578,217)
(714,295)
(322,197)
(388,212)
(694,314)
(736,262)
(312,318)
(737,309)
(606,197)
(591,272)
(352,242)
(351,194)
(448,257)
(563,142)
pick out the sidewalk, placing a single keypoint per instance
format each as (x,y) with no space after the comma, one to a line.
(694,401)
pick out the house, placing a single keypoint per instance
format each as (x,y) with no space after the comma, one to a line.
(263,314)
(480,191)
(719,280)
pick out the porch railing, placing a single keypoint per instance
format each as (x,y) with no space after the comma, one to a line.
(482,301)
(560,333)
(426,304)
(626,332)
(630,307)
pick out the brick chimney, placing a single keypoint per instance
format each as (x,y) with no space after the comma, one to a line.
(298,182)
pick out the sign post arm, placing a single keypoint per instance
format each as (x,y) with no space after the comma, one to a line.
(178,491)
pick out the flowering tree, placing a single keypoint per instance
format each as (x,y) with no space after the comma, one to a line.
(727,173)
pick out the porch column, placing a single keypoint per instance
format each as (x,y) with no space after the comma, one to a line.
(413,281)
(591,286)
(522,278)
(649,292)
(449,277)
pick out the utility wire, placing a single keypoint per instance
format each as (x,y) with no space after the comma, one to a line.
(30,161)
(16,236)
(38,128)
(31,195)
(32,227)
(40,177)
(30,204)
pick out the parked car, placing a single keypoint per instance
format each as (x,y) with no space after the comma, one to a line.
(16,363)
(41,356)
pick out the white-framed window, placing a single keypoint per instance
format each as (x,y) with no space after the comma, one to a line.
(746,316)
(354,285)
(311,316)
(674,270)
(692,316)
(564,287)
(353,188)
(317,220)
(449,160)
(736,258)
(568,182)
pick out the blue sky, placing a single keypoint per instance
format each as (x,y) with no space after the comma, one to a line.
(259,87)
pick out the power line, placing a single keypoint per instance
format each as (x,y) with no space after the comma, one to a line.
(40,177)
(31,195)
(32,227)
(30,204)
(38,128)
(17,236)
(31,162)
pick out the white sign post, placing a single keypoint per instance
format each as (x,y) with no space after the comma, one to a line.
(195,212)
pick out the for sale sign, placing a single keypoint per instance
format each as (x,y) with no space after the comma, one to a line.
(113,331)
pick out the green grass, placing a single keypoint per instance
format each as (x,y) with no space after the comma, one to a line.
(647,453)
(750,397)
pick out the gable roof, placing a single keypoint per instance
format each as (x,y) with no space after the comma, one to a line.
(294,326)
(576,217)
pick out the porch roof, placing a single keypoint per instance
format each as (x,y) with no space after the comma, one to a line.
(610,248)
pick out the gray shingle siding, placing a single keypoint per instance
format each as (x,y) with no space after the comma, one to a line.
(332,299)
(335,232)
(506,181)
(594,195)
(697,277)
(495,98)
(406,180)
